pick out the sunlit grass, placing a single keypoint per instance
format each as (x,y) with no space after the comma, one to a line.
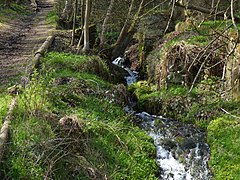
(107,142)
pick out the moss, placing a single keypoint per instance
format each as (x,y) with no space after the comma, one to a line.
(199,40)
(223,138)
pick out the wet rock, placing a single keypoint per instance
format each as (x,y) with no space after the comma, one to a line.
(169,144)
(189,144)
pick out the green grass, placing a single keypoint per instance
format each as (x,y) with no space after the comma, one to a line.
(224,141)
(106,142)
(13,12)
(4,102)
(52,17)
(199,40)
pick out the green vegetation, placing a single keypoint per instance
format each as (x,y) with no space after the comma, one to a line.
(68,125)
(223,137)
(171,102)
(205,108)
(13,12)
(4,101)
(52,17)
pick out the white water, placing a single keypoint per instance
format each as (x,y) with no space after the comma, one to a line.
(195,165)
(133,75)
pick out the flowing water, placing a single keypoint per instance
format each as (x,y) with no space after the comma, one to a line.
(182,153)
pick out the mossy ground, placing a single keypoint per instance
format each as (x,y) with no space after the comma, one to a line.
(223,138)
(105,142)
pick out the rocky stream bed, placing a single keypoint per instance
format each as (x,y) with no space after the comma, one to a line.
(181,149)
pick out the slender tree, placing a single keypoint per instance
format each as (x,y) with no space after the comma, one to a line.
(105,22)
(128,30)
(74,22)
(82,25)
(86,26)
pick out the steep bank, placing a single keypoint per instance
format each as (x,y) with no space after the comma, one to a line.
(190,80)
(70,124)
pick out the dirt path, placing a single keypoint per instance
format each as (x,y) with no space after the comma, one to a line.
(20,39)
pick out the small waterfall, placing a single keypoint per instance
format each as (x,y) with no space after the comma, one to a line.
(182,153)
(133,75)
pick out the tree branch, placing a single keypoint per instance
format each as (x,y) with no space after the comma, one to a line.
(205,11)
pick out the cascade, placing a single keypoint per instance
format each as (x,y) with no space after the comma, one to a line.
(181,150)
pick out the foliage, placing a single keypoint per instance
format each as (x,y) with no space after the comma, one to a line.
(172,102)
(205,108)
(223,137)
(52,17)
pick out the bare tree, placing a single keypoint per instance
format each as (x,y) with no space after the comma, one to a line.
(74,22)
(82,25)
(128,30)
(105,22)
(86,26)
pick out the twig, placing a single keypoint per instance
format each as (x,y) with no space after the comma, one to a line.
(230,113)
(200,69)
(170,18)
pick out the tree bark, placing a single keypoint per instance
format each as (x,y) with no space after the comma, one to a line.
(67,10)
(105,22)
(82,24)
(74,22)
(86,26)
(127,31)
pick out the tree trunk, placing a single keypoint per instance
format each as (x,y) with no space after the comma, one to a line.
(86,26)
(67,10)
(105,22)
(74,22)
(127,31)
(82,24)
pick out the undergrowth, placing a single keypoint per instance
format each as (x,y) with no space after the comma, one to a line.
(4,101)
(68,125)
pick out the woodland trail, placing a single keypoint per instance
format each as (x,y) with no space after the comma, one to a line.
(20,39)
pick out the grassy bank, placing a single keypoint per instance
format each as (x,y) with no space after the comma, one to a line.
(69,124)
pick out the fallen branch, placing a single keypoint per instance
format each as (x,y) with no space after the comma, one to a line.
(5,127)
(229,113)
(38,54)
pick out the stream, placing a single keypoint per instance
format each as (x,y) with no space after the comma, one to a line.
(181,149)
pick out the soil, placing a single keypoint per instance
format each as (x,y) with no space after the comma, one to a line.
(19,39)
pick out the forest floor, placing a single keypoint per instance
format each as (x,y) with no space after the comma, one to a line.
(20,37)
